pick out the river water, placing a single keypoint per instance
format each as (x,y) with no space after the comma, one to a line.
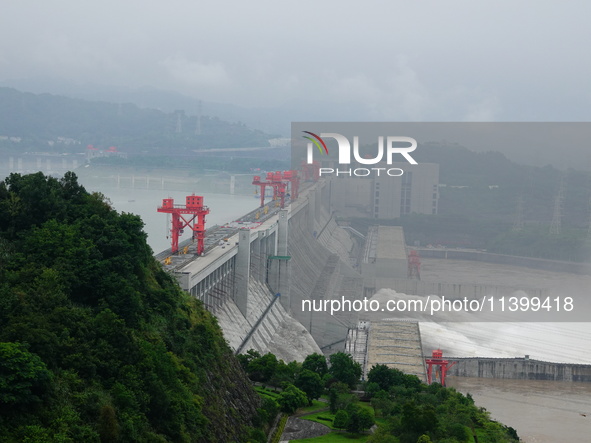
(540,411)
(223,208)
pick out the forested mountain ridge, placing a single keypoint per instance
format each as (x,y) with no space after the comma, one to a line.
(97,342)
(48,122)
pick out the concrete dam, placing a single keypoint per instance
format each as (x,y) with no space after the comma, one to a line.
(254,280)
(257,271)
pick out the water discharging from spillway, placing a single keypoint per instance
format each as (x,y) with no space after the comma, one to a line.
(540,411)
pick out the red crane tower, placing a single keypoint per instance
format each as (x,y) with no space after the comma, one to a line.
(311,171)
(196,222)
(294,180)
(442,366)
(414,265)
(275,180)
(279,186)
(263,184)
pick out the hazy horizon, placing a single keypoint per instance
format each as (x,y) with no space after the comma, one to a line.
(386,61)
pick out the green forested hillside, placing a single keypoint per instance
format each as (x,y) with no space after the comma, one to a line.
(97,342)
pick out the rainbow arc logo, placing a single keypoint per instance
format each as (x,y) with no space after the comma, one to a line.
(317,141)
(387,146)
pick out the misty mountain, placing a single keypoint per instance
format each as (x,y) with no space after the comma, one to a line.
(270,120)
(40,121)
(274,120)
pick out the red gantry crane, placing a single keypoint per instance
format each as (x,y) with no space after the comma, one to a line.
(414,265)
(442,366)
(263,184)
(279,187)
(192,215)
(278,181)
(311,171)
(294,181)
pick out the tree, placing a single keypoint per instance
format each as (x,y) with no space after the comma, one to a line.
(285,373)
(381,402)
(245,359)
(353,424)
(382,435)
(339,397)
(341,419)
(382,375)
(366,420)
(316,363)
(262,368)
(311,383)
(345,369)
(371,389)
(458,431)
(360,419)
(268,411)
(418,419)
(107,424)
(291,399)
(388,377)
(23,376)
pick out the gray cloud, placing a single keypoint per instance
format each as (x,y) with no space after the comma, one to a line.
(428,60)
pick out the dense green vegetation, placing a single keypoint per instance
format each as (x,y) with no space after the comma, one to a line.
(413,410)
(405,410)
(97,342)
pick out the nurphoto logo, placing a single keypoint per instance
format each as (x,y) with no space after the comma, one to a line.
(394,146)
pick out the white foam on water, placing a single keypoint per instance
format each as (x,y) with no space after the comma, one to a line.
(458,335)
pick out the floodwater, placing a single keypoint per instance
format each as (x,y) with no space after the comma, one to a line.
(563,342)
(540,411)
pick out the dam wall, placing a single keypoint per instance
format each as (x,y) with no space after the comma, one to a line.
(458,290)
(334,238)
(529,262)
(320,270)
(520,369)
(268,327)
(255,280)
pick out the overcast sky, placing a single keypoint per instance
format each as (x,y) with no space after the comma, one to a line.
(388,60)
